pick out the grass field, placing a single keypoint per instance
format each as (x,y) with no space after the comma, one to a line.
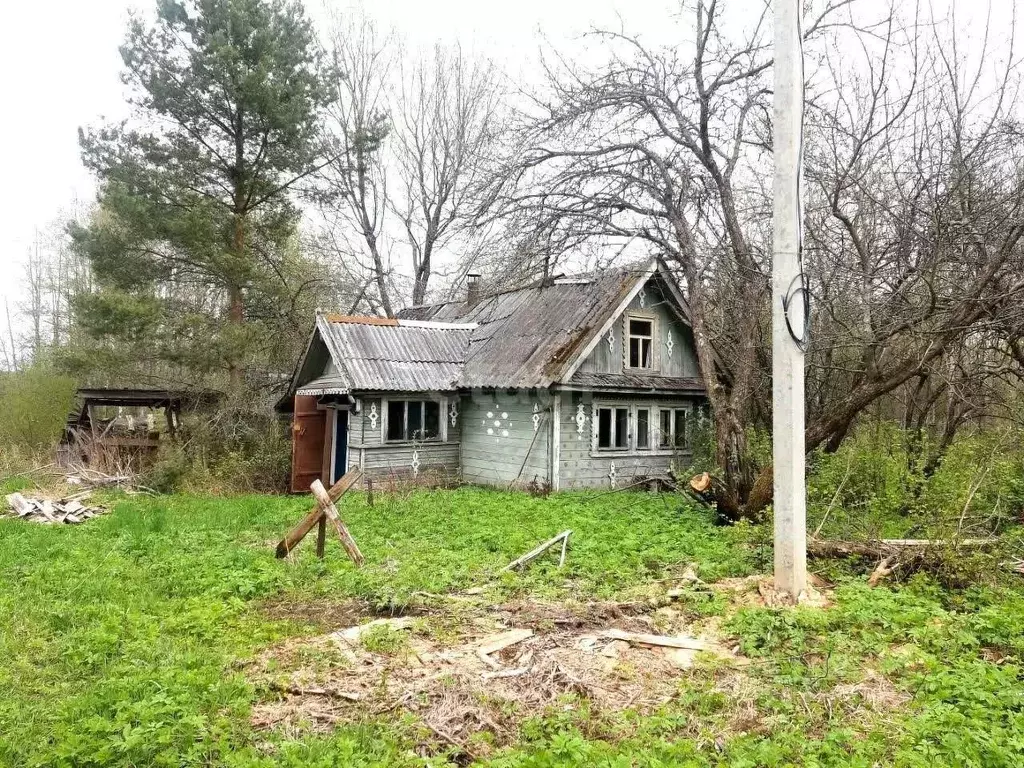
(124,641)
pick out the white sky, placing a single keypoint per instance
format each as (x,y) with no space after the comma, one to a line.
(59,68)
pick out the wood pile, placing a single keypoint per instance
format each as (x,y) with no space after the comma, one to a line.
(69,510)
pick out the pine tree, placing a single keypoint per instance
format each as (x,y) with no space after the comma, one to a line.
(194,238)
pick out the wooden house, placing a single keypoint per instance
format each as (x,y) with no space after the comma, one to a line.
(571,382)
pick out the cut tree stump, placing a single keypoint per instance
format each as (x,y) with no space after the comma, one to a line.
(298,533)
(327,505)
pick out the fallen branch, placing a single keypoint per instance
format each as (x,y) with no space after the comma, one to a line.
(883,548)
(533,553)
(293,690)
(883,570)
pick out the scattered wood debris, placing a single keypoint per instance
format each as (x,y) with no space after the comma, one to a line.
(496,667)
(68,510)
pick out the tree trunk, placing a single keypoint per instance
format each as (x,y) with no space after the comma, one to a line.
(236,306)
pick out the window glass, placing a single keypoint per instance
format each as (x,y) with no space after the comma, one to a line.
(415,420)
(621,427)
(431,420)
(680,432)
(641,347)
(604,427)
(643,428)
(396,420)
(665,434)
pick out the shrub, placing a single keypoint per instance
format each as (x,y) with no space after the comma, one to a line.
(34,406)
(226,451)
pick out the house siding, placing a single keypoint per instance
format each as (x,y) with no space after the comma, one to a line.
(682,361)
(514,453)
(379,459)
(581,466)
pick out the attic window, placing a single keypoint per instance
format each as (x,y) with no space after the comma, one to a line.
(640,342)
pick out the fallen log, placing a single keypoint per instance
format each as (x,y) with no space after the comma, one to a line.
(882,548)
(298,533)
(536,552)
(327,505)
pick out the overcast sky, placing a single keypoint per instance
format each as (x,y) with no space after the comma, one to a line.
(59,70)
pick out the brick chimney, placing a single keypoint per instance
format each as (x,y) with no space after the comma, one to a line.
(473,289)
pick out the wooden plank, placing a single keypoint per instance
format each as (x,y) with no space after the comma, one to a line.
(298,533)
(499,642)
(564,535)
(664,641)
(327,505)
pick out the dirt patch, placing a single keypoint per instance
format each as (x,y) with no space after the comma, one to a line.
(322,613)
(558,654)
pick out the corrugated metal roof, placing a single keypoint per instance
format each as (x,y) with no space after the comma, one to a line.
(392,357)
(521,338)
(526,337)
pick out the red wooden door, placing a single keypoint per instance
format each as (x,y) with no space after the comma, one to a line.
(309,428)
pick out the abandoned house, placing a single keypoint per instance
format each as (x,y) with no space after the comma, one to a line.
(568,383)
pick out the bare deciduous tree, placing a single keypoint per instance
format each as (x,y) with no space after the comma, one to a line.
(409,145)
(671,147)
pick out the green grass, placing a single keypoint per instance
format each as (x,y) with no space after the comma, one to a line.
(122,640)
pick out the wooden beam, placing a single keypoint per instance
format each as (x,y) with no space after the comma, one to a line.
(327,505)
(298,533)
(321,536)
(563,536)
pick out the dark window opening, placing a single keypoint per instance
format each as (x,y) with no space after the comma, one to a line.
(396,420)
(621,427)
(413,420)
(665,435)
(431,420)
(643,428)
(604,427)
(680,429)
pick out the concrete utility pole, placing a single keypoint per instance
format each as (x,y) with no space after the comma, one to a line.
(787,354)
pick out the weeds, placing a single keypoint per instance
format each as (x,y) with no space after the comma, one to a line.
(123,641)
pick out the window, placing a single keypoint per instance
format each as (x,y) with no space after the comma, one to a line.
(641,343)
(643,429)
(672,433)
(409,420)
(613,428)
